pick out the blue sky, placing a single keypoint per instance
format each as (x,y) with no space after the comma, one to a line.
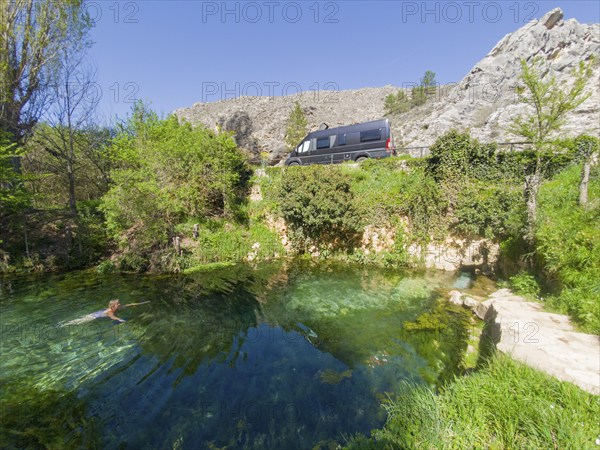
(176,53)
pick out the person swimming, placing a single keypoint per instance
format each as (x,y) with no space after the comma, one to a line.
(113,306)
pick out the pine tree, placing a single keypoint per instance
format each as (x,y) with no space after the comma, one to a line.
(396,104)
(426,89)
(296,127)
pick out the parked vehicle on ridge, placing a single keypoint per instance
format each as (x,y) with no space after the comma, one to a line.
(347,143)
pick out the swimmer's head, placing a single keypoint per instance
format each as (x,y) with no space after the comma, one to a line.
(114,304)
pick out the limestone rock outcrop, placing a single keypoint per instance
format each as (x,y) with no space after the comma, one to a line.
(483,102)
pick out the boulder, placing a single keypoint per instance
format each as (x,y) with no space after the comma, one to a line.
(470,302)
(455,297)
(482,308)
(552,18)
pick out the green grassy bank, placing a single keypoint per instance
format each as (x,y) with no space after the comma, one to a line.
(503,405)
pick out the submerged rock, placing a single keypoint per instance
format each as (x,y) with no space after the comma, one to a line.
(463,300)
(333,377)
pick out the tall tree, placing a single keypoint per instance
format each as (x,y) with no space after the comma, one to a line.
(34,36)
(296,127)
(68,131)
(550,102)
(428,82)
(424,90)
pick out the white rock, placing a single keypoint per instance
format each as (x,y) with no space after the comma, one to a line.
(455,297)
(470,302)
(482,308)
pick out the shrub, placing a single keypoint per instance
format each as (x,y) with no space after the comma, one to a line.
(525,284)
(317,204)
(388,191)
(170,172)
(457,156)
(396,104)
(489,210)
(481,185)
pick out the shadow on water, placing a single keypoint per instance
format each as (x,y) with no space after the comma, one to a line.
(37,418)
(283,355)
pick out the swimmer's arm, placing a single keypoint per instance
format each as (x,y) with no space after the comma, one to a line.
(135,304)
(113,317)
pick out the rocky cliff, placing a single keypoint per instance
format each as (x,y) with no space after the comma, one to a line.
(483,101)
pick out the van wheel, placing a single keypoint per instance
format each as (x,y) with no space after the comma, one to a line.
(293,164)
(361,159)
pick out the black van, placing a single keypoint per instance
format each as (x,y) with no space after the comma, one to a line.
(348,143)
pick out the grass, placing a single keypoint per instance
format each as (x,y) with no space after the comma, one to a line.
(568,245)
(504,405)
(222,241)
(206,267)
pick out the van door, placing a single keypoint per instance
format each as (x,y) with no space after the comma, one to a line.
(326,150)
(352,145)
(338,148)
(343,150)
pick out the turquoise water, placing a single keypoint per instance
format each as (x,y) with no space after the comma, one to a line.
(282,355)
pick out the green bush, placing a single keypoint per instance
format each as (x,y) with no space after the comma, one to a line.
(170,173)
(396,103)
(489,210)
(456,157)
(388,191)
(525,284)
(482,186)
(106,266)
(227,242)
(318,207)
(92,239)
(13,196)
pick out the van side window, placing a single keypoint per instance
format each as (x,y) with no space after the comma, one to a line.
(322,143)
(303,148)
(370,135)
(341,139)
(353,138)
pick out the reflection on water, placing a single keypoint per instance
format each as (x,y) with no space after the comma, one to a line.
(283,355)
